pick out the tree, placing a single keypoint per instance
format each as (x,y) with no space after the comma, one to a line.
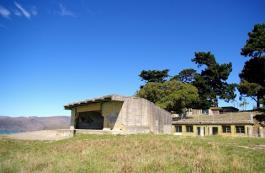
(254,71)
(186,76)
(170,95)
(255,45)
(253,74)
(253,79)
(154,75)
(251,90)
(211,82)
(244,103)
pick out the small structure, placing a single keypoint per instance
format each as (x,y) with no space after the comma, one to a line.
(228,109)
(210,111)
(214,111)
(238,124)
(120,114)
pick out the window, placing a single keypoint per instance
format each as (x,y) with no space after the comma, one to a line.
(189,128)
(178,129)
(226,129)
(215,130)
(240,129)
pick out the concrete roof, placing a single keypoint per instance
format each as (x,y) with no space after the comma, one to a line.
(112,97)
(229,118)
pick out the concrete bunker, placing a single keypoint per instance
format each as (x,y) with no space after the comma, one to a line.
(119,113)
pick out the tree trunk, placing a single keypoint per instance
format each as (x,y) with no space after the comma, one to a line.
(215,102)
(258,99)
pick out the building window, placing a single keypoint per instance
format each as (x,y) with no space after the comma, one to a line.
(214,130)
(189,128)
(226,129)
(178,129)
(240,129)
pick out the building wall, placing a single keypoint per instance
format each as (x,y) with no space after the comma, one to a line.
(110,111)
(140,115)
(261,132)
(90,107)
(208,130)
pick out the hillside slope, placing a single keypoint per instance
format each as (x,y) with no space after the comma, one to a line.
(22,124)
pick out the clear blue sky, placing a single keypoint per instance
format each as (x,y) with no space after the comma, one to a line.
(55,52)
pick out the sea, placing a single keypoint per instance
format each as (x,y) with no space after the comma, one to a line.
(6,132)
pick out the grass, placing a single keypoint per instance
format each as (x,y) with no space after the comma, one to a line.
(134,153)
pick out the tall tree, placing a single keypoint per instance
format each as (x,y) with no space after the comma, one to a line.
(211,82)
(255,45)
(154,75)
(186,76)
(253,74)
(171,95)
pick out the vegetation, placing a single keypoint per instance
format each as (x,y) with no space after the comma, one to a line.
(211,82)
(253,74)
(170,95)
(134,153)
(154,75)
(186,76)
(255,45)
(189,89)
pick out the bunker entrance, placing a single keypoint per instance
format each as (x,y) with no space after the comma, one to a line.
(90,120)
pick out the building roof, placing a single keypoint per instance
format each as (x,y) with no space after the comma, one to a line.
(230,118)
(106,98)
(229,108)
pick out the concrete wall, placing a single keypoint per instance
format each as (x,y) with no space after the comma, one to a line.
(90,107)
(261,132)
(110,111)
(140,115)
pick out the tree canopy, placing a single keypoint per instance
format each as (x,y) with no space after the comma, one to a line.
(154,75)
(189,88)
(211,82)
(171,95)
(186,76)
(255,45)
(253,74)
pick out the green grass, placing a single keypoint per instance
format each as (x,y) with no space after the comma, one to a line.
(134,153)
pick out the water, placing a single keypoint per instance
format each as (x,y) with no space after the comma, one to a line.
(5,132)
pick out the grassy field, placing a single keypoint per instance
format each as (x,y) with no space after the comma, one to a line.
(134,153)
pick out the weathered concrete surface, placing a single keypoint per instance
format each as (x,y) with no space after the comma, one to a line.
(140,115)
(125,114)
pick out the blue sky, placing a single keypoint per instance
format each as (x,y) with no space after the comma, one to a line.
(55,52)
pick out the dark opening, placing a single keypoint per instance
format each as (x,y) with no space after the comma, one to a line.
(198,131)
(215,130)
(178,129)
(240,129)
(189,129)
(90,120)
(226,129)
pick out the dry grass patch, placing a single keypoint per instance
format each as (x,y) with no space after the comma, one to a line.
(132,153)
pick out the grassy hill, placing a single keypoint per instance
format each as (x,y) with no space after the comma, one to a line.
(134,153)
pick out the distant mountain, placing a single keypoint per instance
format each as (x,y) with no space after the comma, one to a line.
(22,124)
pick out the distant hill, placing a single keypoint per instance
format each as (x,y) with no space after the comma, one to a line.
(22,124)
